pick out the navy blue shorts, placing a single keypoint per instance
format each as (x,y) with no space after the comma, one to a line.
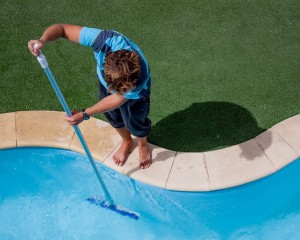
(132,115)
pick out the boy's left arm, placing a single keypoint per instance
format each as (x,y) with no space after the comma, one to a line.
(105,105)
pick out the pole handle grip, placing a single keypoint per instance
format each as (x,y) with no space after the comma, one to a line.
(42,60)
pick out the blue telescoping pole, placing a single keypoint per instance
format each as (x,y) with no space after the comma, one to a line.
(43,61)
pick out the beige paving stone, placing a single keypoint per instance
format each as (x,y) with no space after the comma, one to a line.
(189,173)
(289,130)
(158,172)
(43,128)
(100,137)
(8,138)
(279,152)
(237,165)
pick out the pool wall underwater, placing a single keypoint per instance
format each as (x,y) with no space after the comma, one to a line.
(199,171)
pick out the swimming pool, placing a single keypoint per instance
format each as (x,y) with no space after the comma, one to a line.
(43,194)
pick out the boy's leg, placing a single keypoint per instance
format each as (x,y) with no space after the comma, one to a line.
(121,155)
(145,157)
(135,115)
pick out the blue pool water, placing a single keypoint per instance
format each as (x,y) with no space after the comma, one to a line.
(43,194)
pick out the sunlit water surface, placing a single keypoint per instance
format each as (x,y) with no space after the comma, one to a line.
(43,194)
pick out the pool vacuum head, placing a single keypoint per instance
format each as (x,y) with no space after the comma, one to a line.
(96,200)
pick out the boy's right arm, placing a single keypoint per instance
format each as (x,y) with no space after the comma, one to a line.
(52,33)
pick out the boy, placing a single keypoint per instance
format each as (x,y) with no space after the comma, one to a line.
(124,84)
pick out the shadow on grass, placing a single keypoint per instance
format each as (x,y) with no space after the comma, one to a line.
(205,126)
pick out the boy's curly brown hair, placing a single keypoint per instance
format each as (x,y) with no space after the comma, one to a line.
(122,70)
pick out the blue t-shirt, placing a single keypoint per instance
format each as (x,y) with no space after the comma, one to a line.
(106,41)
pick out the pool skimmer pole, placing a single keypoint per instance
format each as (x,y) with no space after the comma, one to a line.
(107,202)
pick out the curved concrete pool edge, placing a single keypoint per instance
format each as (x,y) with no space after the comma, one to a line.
(199,171)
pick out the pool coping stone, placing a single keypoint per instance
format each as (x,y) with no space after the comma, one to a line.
(181,171)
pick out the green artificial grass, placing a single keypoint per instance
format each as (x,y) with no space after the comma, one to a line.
(222,71)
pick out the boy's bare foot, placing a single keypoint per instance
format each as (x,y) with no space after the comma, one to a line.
(121,155)
(145,157)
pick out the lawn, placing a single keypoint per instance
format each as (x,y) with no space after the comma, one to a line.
(222,71)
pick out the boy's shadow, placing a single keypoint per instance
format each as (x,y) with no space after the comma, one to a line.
(205,126)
